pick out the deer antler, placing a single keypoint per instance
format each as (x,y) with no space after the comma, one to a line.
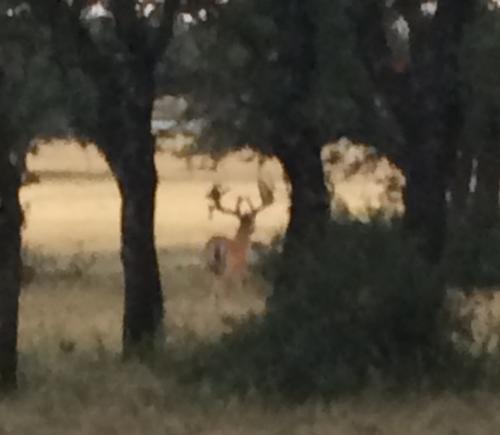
(215,195)
(266,192)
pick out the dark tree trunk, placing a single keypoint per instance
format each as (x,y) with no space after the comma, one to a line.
(309,212)
(425,101)
(129,147)
(460,187)
(10,270)
(297,144)
(309,196)
(432,131)
(485,212)
(486,196)
(424,198)
(135,172)
(144,310)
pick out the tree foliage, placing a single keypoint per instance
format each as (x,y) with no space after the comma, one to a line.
(33,98)
(241,71)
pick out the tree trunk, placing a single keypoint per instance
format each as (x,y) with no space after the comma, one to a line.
(460,187)
(432,126)
(10,270)
(129,148)
(486,195)
(309,197)
(309,212)
(135,172)
(424,198)
(124,137)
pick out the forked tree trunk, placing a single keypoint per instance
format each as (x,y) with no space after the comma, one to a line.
(309,213)
(10,269)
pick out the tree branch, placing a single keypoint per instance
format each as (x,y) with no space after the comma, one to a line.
(72,44)
(70,37)
(372,45)
(77,7)
(165,32)
(130,29)
(449,21)
(446,36)
(411,11)
(375,53)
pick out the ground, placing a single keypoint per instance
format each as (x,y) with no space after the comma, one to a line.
(72,380)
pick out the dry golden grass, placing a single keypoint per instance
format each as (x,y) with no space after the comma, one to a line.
(72,379)
(87,390)
(77,205)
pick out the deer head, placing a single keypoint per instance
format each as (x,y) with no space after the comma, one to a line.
(246,218)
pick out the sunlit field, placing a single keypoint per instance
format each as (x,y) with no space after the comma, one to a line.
(72,380)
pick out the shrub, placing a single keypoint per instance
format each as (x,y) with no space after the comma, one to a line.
(473,256)
(363,308)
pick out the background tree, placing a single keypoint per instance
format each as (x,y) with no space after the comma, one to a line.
(32,105)
(421,86)
(10,255)
(118,53)
(479,154)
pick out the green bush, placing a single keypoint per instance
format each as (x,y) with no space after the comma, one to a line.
(473,256)
(363,309)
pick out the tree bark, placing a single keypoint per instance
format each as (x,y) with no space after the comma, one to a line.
(486,195)
(432,133)
(309,197)
(425,217)
(425,101)
(309,211)
(424,198)
(126,140)
(460,186)
(135,172)
(10,269)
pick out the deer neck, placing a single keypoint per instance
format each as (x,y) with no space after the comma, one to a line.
(242,236)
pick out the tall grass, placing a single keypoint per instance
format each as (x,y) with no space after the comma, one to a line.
(85,388)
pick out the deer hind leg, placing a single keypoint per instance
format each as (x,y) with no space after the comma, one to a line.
(245,278)
(214,302)
(220,289)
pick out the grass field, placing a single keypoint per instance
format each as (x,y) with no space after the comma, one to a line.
(72,381)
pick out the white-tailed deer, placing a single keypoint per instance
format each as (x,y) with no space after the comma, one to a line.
(228,257)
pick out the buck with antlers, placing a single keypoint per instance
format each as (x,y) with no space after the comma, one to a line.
(228,258)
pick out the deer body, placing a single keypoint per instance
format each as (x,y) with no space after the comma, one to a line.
(228,258)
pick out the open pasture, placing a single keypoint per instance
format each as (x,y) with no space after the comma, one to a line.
(72,379)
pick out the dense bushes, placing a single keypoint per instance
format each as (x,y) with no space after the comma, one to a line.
(473,256)
(364,309)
